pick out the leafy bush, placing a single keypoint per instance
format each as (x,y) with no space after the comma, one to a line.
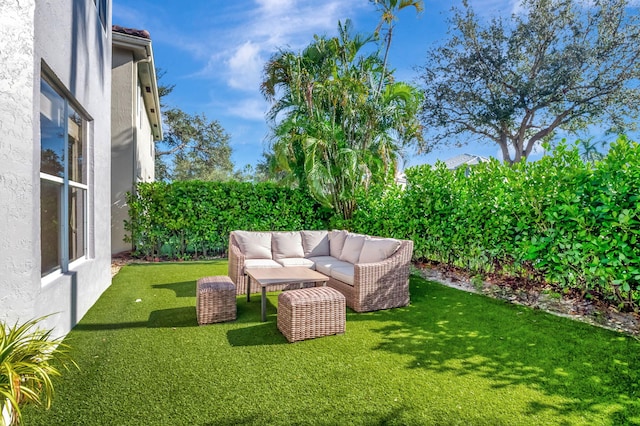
(29,359)
(188,219)
(575,223)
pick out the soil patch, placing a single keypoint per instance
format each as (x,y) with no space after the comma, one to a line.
(536,296)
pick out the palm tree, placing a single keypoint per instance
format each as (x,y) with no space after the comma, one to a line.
(330,129)
(388,9)
(589,150)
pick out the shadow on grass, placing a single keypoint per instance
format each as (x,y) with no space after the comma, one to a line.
(263,334)
(183,289)
(162,318)
(446,330)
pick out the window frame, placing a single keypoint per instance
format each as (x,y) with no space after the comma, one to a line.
(102,7)
(67,185)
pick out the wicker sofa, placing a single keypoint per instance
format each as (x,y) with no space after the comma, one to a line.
(371,272)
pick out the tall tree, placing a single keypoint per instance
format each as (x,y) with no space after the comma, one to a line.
(193,147)
(331,133)
(560,64)
(199,147)
(388,15)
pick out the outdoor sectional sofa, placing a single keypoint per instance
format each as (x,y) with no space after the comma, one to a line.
(371,272)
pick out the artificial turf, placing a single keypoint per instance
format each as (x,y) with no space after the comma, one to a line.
(448,358)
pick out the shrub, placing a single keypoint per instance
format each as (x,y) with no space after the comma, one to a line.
(188,219)
(575,223)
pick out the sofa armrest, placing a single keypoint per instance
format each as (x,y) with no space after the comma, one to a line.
(384,284)
(236,263)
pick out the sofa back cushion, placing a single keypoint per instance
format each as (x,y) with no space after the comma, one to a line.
(254,245)
(378,249)
(352,248)
(336,242)
(315,243)
(286,244)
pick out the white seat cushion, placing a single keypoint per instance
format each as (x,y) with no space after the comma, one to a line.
(254,245)
(286,244)
(352,248)
(296,261)
(378,249)
(343,273)
(324,264)
(261,263)
(315,243)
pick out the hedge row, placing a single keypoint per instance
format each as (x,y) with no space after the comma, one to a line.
(576,224)
(189,219)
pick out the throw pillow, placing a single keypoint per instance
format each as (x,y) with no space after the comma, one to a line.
(336,242)
(315,243)
(286,245)
(352,247)
(254,245)
(378,249)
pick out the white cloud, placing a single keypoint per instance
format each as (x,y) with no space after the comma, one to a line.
(493,7)
(244,67)
(238,55)
(248,109)
(274,5)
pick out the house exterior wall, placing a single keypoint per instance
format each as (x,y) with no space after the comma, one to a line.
(18,183)
(123,135)
(66,40)
(132,137)
(146,148)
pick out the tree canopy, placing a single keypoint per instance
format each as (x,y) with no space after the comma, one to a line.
(560,64)
(193,147)
(332,132)
(200,147)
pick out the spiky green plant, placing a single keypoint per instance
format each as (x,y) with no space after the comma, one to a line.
(26,368)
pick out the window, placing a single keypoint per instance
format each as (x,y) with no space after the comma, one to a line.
(63,182)
(101,6)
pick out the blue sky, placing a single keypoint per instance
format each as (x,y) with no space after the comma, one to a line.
(214,52)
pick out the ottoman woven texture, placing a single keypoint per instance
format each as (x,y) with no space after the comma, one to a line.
(311,312)
(215,299)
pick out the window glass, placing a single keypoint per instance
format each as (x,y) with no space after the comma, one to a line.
(52,131)
(63,179)
(77,208)
(101,6)
(76,151)
(50,212)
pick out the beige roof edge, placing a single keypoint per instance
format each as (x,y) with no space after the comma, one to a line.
(143,55)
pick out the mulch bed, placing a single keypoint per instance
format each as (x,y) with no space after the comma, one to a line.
(536,294)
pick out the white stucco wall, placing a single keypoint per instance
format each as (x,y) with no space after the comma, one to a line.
(18,268)
(145,155)
(68,37)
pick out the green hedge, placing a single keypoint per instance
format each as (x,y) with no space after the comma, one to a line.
(575,224)
(189,219)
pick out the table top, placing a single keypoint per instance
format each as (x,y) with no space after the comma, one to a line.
(290,274)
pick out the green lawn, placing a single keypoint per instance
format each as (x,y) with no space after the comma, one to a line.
(448,358)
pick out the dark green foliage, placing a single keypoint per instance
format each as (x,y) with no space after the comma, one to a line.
(193,218)
(575,223)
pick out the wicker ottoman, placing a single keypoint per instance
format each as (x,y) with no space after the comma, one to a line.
(215,299)
(311,312)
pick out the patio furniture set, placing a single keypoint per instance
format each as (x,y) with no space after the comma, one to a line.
(362,272)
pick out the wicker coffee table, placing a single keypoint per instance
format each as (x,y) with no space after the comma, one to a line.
(265,277)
